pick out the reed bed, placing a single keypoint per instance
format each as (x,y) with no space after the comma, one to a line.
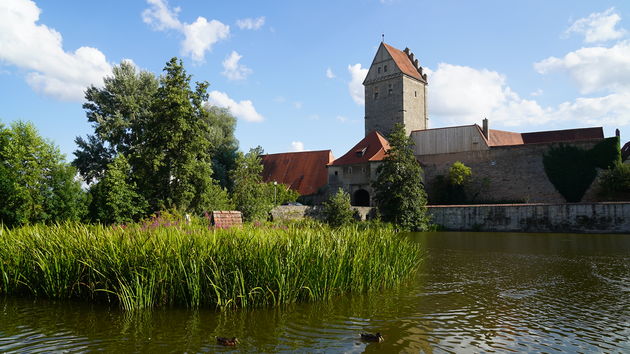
(140,266)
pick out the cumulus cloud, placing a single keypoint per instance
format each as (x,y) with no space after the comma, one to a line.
(464,95)
(330,74)
(598,27)
(357,74)
(233,70)
(594,69)
(342,119)
(199,36)
(298,104)
(251,23)
(38,49)
(297,146)
(243,109)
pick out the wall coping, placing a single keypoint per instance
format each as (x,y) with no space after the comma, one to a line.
(522,205)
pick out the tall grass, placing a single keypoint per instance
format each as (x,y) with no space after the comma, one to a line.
(193,265)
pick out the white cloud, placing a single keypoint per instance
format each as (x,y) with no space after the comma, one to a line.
(297,105)
(464,95)
(251,23)
(357,74)
(330,74)
(280,99)
(598,27)
(233,70)
(537,93)
(243,109)
(313,117)
(297,146)
(594,69)
(342,119)
(199,36)
(37,48)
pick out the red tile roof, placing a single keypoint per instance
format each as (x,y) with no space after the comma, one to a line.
(403,62)
(501,138)
(553,136)
(304,172)
(372,148)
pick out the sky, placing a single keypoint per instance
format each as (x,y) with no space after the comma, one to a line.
(291,71)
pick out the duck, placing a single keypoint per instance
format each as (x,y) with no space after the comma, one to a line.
(369,337)
(228,342)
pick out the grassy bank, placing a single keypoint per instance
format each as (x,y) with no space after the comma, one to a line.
(150,265)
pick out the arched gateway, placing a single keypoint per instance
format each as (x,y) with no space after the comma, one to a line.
(361,198)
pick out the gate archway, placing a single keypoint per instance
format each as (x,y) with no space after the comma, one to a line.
(361,198)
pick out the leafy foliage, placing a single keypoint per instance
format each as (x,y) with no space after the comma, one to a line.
(452,189)
(572,170)
(399,188)
(250,194)
(115,198)
(337,210)
(615,183)
(36,185)
(169,136)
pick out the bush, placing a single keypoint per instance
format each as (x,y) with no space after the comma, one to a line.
(337,210)
(615,183)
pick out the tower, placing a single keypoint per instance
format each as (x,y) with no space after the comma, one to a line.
(395,92)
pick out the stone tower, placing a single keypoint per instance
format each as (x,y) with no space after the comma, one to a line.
(395,92)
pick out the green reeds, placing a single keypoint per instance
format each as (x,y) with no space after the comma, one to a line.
(143,266)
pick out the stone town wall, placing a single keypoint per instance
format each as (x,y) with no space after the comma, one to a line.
(577,217)
(513,173)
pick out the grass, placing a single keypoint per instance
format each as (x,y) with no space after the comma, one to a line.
(151,265)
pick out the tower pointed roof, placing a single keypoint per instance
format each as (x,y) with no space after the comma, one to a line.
(371,148)
(405,63)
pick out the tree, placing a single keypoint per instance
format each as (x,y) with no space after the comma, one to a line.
(399,189)
(614,183)
(337,210)
(250,193)
(114,197)
(120,114)
(168,134)
(36,184)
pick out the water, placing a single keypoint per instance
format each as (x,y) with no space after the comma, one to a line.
(474,292)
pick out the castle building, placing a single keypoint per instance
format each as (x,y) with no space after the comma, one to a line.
(508,166)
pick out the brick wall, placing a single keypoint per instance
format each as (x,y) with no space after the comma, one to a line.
(226,219)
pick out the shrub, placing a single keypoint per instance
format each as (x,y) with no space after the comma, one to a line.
(337,210)
(615,183)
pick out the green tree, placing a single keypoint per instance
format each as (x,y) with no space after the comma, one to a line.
(615,182)
(337,210)
(36,184)
(251,195)
(459,174)
(114,197)
(120,113)
(399,189)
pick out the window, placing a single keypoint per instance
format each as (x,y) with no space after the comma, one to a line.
(349,170)
(336,173)
(415,94)
(385,68)
(376,93)
(389,89)
(379,69)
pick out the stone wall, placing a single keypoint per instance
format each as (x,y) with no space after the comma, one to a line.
(292,212)
(578,217)
(504,173)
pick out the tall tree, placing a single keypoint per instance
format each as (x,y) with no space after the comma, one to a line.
(399,187)
(36,184)
(120,113)
(250,193)
(178,148)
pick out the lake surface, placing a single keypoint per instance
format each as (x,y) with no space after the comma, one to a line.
(474,292)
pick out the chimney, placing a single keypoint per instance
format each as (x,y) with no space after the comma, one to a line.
(617,133)
(486,130)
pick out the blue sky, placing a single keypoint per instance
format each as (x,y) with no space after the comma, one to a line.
(291,71)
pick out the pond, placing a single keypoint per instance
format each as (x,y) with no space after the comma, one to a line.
(474,292)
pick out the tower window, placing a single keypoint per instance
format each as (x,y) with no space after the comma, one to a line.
(379,69)
(376,93)
(415,94)
(385,68)
(389,89)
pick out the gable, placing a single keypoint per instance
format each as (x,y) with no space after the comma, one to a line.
(382,60)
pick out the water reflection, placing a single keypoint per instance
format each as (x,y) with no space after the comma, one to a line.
(474,292)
